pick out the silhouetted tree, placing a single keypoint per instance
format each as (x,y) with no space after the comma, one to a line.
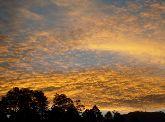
(63,109)
(145,117)
(27,115)
(56,114)
(72,115)
(118,117)
(40,103)
(27,105)
(24,104)
(108,117)
(3,116)
(92,115)
(80,108)
(62,101)
(98,113)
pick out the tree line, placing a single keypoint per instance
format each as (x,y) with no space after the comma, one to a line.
(25,105)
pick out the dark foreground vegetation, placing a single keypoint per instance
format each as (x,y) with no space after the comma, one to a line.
(27,105)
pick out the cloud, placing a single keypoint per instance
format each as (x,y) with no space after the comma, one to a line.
(29,15)
(44,40)
(106,88)
(42,30)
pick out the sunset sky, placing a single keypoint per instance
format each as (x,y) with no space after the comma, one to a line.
(105,52)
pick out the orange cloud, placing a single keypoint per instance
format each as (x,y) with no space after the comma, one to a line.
(49,39)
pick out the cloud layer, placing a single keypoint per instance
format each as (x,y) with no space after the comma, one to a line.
(39,38)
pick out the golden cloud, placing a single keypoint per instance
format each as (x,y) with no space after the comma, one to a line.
(45,36)
(105,88)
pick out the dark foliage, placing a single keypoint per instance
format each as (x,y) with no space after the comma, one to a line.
(145,117)
(24,104)
(92,115)
(27,105)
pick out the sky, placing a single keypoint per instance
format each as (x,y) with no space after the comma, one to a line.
(105,52)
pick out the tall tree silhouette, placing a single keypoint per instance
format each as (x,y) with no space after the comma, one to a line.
(63,102)
(63,109)
(24,103)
